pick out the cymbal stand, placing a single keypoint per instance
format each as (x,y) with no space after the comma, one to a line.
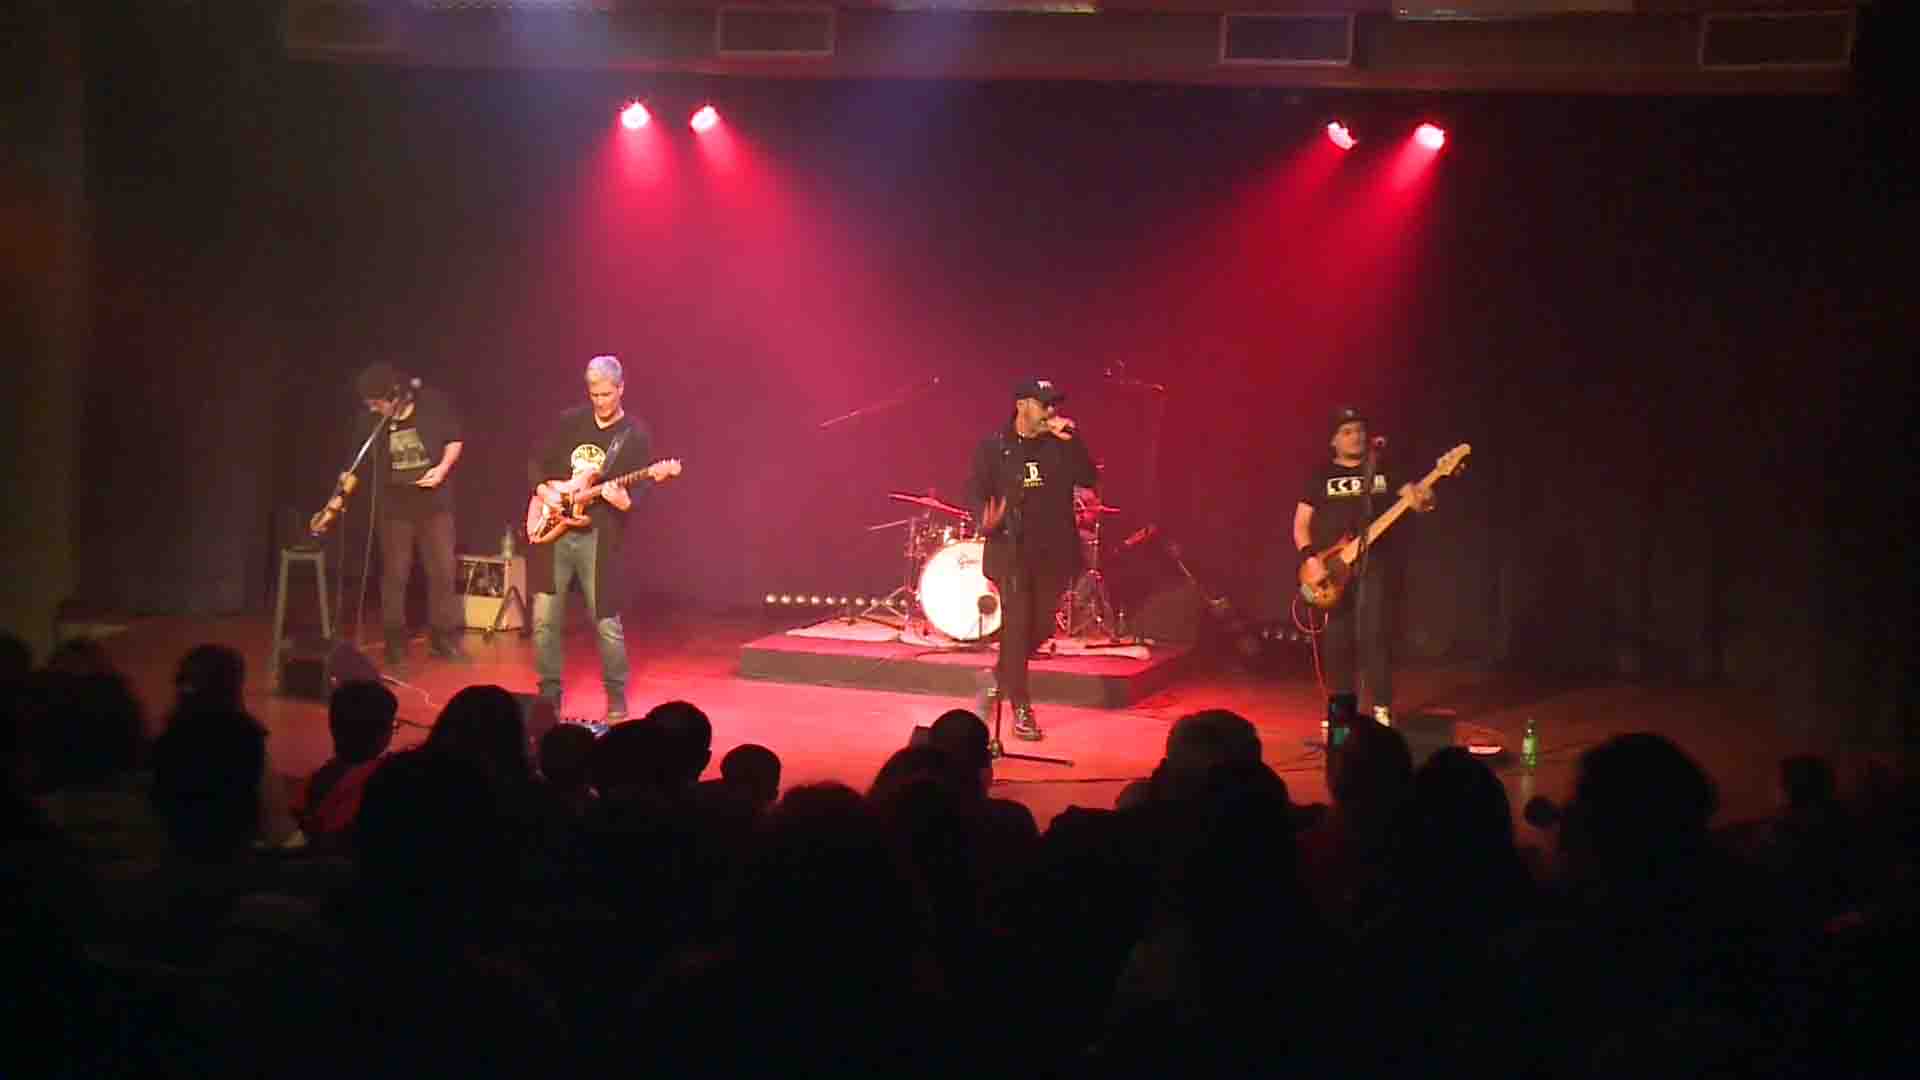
(1096,611)
(901,602)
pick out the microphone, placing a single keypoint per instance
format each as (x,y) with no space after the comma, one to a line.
(1379,442)
(1066,427)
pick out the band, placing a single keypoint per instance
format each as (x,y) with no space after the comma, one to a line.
(1019,565)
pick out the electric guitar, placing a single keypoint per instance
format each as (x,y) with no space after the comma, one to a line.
(559,505)
(1325,591)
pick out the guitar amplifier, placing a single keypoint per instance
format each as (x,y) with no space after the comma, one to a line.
(484,582)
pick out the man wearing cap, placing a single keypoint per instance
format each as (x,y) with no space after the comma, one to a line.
(1023,478)
(415,458)
(1341,498)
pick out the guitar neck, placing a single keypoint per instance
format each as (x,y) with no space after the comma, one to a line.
(1400,506)
(624,480)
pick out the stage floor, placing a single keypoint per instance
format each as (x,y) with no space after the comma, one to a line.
(844,734)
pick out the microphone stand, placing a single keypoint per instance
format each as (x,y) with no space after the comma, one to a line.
(340,578)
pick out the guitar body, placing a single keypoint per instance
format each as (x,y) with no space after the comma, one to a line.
(559,505)
(1327,590)
(554,508)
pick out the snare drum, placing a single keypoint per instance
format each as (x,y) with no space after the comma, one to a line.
(955,594)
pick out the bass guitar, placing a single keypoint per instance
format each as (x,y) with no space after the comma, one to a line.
(559,505)
(1325,591)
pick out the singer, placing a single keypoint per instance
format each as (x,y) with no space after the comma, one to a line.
(1340,499)
(1023,478)
(416,459)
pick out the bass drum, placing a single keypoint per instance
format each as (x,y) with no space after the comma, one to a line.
(956,596)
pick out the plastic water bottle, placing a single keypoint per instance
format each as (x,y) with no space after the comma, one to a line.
(506,544)
(1530,745)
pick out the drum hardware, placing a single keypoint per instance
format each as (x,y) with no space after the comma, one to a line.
(926,536)
(1086,606)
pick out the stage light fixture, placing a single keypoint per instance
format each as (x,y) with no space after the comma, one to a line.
(1430,136)
(634,116)
(1338,134)
(703,119)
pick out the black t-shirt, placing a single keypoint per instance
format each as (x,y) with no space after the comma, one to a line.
(1037,477)
(581,443)
(1337,494)
(408,448)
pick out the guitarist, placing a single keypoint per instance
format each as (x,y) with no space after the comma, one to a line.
(597,438)
(1341,499)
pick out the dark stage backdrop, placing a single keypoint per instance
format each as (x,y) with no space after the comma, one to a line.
(1673,331)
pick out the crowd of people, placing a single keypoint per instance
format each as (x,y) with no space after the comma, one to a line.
(488,903)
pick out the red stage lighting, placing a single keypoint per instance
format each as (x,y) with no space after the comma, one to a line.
(634,116)
(1429,136)
(704,118)
(1341,137)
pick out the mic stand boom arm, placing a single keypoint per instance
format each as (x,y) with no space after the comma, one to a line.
(343,486)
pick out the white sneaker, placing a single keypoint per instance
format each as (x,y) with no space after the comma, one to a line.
(1383,716)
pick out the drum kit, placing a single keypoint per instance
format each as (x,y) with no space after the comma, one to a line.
(945,585)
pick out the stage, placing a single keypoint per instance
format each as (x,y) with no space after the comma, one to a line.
(865,655)
(845,733)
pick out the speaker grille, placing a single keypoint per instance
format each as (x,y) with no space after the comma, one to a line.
(1277,40)
(1786,39)
(753,31)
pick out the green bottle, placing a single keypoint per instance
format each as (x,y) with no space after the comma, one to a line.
(1530,745)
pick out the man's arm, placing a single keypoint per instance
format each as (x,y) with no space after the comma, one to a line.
(1302,526)
(437,475)
(1303,542)
(639,450)
(1086,473)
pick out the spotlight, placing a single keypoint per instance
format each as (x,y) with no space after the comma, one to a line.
(1340,136)
(772,599)
(785,599)
(634,116)
(1429,136)
(703,119)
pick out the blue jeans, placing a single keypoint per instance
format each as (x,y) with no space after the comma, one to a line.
(573,559)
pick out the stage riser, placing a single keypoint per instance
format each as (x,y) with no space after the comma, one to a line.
(869,667)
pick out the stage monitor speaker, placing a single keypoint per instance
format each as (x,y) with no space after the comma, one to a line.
(312,667)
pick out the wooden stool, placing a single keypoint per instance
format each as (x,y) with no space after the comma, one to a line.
(316,558)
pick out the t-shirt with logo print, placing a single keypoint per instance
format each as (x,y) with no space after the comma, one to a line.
(1337,494)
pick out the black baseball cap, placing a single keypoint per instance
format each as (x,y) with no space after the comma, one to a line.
(1041,390)
(1346,415)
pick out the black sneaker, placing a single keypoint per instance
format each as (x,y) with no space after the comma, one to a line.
(1025,725)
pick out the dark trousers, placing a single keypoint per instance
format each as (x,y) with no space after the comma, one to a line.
(434,531)
(1357,640)
(1028,599)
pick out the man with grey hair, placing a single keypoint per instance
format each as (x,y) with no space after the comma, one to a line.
(603,440)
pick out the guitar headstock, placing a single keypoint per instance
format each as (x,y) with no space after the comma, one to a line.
(664,469)
(1452,461)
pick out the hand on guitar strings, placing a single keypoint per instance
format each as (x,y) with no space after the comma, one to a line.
(1421,499)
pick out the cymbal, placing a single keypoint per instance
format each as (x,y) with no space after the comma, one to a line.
(928,501)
